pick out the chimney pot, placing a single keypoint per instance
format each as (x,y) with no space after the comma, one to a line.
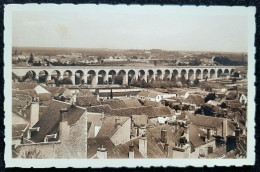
(63,114)
(164,135)
(117,124)
(166,149)
(102,153)
(143,145)
(131,151)
(208,134)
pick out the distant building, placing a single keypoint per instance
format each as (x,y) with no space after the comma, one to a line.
(243,99)
(149,95)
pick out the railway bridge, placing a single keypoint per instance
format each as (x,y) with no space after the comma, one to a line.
(95,75)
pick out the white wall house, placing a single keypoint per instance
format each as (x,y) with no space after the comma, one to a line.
(148,95)
(243,99)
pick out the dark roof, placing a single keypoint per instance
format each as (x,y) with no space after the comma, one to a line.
(155,149)
(109,127)
(164,111)
(152,103)
(115,103)
(195,99)
(139,120)
(121,151)
(147,93)
(132,102)
(55,90)
(185,114)
(84,93)
(96,142)
(50,119)
(206,121)
(18,103)
(99,109)
(87,101)
(115,94)
(232,94)
(24,85)
(146,110)
(88,126)
(29,92)
(17,129)
(235,105)
(151,112)
(14,76)
(194,133)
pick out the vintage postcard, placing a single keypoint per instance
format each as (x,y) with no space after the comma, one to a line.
(112,86)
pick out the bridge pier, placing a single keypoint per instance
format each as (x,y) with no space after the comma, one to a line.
(85,78)
(94,81)
(170,75)
(105,79)
(143,77)
(37,77)
(186,76)
(156,73)
(151,77)
(48,78)
(72,78)
(125,79)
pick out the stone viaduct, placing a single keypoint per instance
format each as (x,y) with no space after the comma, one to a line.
(93,75)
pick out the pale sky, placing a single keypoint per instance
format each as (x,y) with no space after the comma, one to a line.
(132,27)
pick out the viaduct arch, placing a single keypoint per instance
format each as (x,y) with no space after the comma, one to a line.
(98,75)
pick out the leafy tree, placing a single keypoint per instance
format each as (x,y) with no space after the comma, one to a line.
(234,80)
(66,80)
(210,96)
(118,79)
(196,82)
(155,62)
(183,80)
(197,62)
(208,110)
(223,105)
(31,59)
(236,74)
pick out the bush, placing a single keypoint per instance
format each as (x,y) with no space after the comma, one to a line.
(210,96)
(208,110)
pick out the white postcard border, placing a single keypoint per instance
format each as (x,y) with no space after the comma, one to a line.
(80,163)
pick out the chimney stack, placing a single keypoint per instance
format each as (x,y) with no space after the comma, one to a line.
(166,149)
(224,128)
(34,116)
(74,99)
(64,128)
(143,145)
(102,153)
(97,93)
(131,153)
(142,130)
(237,132)
(117,125)
(164,135)
(208,134)
(188,134)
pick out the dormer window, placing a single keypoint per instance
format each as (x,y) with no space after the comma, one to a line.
(31,131)
(50,137)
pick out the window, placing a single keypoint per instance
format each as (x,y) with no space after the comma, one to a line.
(210,149)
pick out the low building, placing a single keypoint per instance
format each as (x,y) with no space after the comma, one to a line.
(243,99)
(149,95)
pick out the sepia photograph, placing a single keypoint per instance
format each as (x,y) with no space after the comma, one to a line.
(137,85)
